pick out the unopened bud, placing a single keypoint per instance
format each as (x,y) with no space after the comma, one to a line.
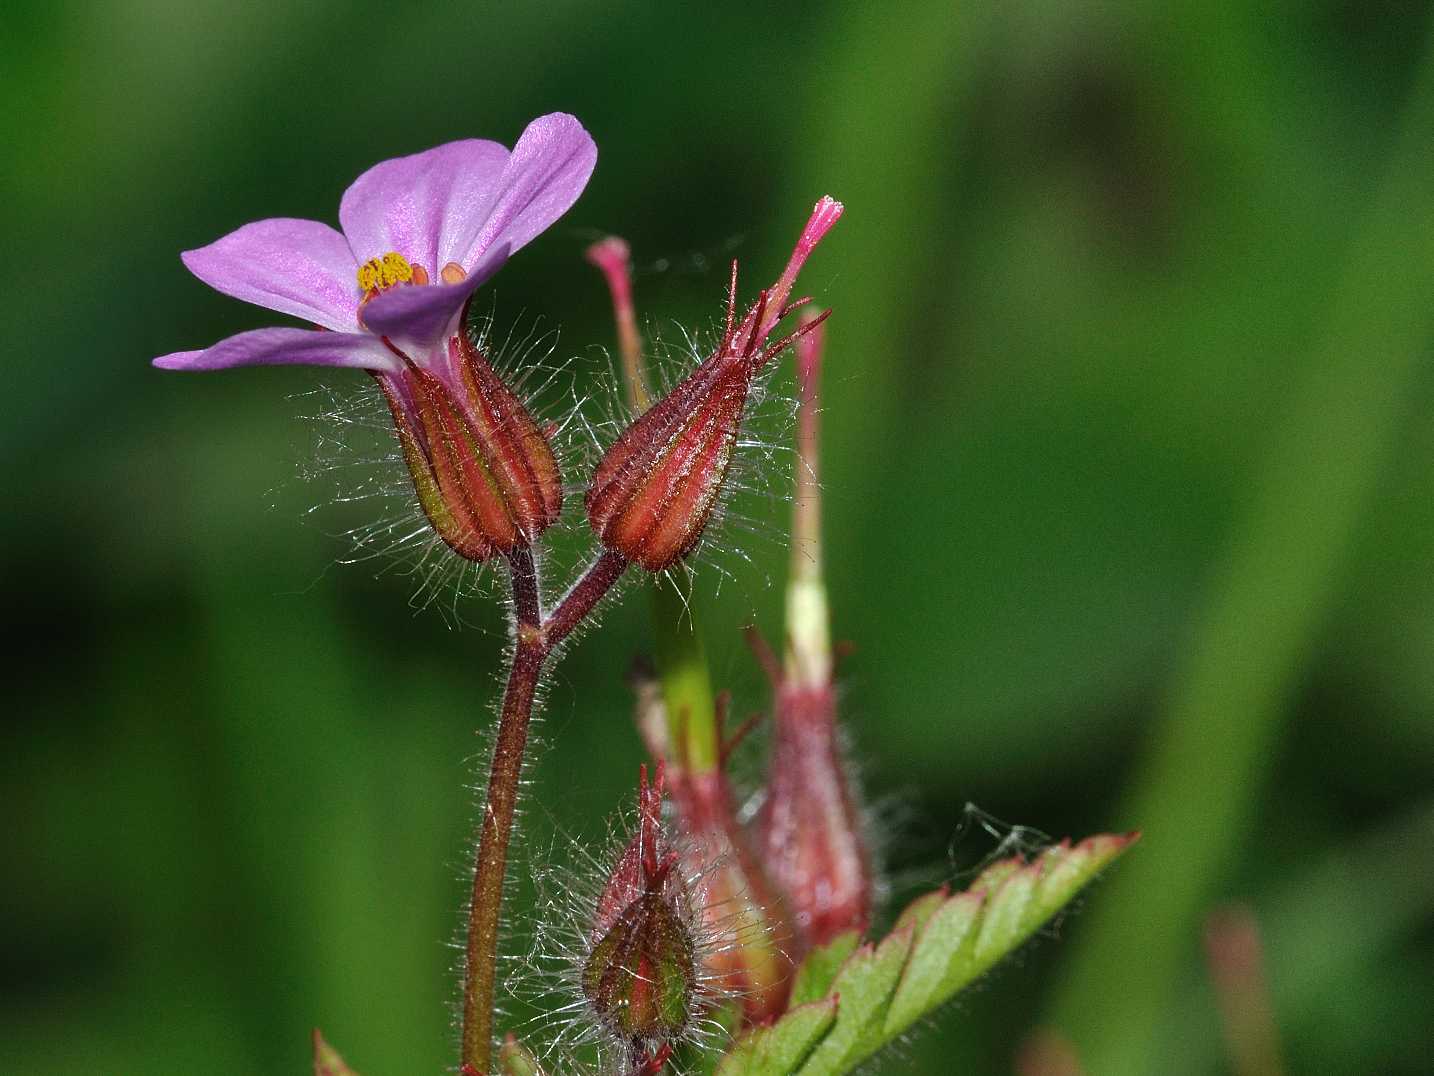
(640,976)
(654,491)
(483,470)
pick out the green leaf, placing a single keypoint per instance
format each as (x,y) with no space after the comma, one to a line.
(327,1061)
(923,983)
(814,978)
(862,989)
(921,909)
(973,930)
(942,943)
(995,874)
(778,1048)
(1068,869)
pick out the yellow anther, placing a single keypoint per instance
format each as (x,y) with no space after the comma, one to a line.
(379,273)
(396,269)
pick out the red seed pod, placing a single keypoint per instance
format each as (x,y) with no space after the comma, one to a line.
(810,828)
(640,976)
(483,470)
(653,493)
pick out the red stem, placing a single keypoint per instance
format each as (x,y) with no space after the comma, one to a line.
(586,593)
(524,578)
(535,640)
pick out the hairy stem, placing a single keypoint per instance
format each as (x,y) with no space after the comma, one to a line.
(497,825)
(535,640)
(585,594)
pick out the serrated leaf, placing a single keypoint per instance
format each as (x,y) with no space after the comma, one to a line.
(514,1059)
(1065,870)
(915,914)
(950,928)
(863,990)
(973,930)
(814,978)
(327,1061)
(1004,916)
(942,943)
(992,877)
(778,1048)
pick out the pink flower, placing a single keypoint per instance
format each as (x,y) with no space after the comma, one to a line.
(420,234)
(453,214)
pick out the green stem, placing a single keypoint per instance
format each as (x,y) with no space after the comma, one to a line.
(686,681)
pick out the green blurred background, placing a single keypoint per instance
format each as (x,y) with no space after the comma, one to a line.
(1129,504)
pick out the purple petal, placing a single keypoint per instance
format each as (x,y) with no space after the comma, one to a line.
(298,267)
(422,206)
(425,314)
(549,168)
(271,347)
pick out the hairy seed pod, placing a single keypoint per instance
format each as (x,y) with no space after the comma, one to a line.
(654,491)
(640,974)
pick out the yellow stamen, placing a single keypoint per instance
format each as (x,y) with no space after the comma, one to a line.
(379,273)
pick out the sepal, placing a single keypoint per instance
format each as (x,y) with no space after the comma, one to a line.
(483,470)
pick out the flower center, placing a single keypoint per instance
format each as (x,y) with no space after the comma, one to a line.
(379,274)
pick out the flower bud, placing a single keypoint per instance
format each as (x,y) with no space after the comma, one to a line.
(653,493)
(640,976)
(483,470)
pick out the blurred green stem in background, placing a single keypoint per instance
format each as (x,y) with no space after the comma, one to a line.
(1195,793)
(928,62)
